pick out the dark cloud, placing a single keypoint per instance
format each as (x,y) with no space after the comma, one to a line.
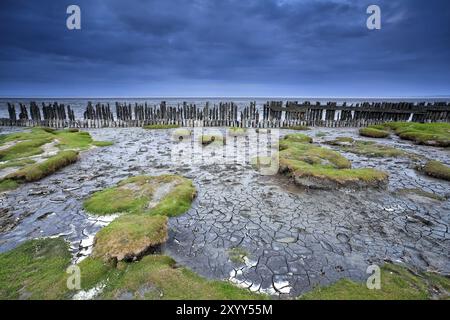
(224,47)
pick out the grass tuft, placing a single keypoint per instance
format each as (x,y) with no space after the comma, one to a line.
(366,148)
(437,170)
(397,283)
(373,132)
(317,167)
(40,170)
(129,237)
(298,128)
(237,132)
(35,270)
(102,143)
(161,126)
(133,195)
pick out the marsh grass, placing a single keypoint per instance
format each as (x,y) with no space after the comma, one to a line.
(397,283)
(40,170)
(132,196)
(237,131)
(23,146)
(129,237)
(367,148)
(432,134)
(161,126)
(437,170)
(37,270)
(298,128)
(373,132)
(302,159)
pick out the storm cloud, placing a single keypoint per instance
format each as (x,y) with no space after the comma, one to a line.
(224,48)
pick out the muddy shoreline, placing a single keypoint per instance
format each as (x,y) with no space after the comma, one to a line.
(295,239)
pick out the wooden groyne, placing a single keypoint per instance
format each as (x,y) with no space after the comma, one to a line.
(273,114)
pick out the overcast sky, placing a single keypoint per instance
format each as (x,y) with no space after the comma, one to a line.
(303,48)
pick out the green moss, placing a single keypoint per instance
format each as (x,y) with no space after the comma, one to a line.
(92,271)
(35,270)
(157,277)
(208,139)
(433,134)
(372,132)
(129,237)
(237,255)
(341,141)
(437,169)
(134,195)
(367,148)
(67,139)
(299,128)
(102,143)
(397,283)
(314,166)
(161,126)
(20,146)
(236,131)
(16,163)
(40,170)
(297,137)
(7,184)
(23,149)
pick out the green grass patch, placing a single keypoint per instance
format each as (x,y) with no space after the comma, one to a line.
(8,184)
(158,277)
(372,132)
(137,195)
(40,170)
(432,134)
(298,128)
(296,137)
(16,163)
(366,148)
(161,126)
(129,237)
(237,132)
(397,283)
(339,141)
(23,149)
(35,270)
(102,143)
(314,166)
(437,169)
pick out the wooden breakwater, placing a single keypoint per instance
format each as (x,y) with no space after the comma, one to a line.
(273,114)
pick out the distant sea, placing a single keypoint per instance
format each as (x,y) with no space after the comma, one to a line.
(79,104)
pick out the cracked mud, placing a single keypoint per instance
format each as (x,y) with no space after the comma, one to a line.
(293,239)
